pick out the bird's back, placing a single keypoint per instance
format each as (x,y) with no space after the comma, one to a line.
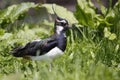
(34,48)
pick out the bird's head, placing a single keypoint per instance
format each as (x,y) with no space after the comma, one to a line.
(61,25)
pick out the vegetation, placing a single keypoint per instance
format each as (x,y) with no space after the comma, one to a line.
(93,50)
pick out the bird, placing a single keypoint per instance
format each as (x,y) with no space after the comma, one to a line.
(46,49)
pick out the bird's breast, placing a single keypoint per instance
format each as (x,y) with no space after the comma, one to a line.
(55,52)
(62,43)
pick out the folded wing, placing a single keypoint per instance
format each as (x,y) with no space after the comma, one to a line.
(35,48)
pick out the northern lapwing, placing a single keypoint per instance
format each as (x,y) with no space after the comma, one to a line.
(48,48)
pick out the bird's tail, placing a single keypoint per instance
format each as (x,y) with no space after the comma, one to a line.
(18,52)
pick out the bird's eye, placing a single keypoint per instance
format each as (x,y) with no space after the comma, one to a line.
(63,24)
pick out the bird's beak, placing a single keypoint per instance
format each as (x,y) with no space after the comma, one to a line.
(69,27)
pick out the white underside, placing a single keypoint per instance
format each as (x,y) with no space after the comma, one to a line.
(55,52)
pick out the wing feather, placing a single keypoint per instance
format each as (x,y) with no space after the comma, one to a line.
(31,48)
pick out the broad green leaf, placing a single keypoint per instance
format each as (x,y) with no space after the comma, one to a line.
(109,35)
(13,12)
(103,9)
(106,33)
(110,16)
(112,36)
(61,11)
(87,6)
(84,14)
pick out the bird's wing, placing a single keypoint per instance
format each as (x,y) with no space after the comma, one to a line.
(32,48)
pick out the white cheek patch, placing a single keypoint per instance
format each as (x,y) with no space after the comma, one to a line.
(59,29)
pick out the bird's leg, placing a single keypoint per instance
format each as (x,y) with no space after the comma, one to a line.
(50,66)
